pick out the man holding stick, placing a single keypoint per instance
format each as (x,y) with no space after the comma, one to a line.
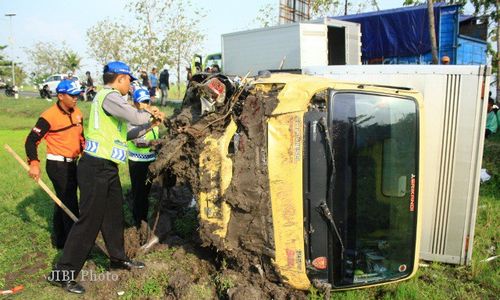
(101,195)
(61,127)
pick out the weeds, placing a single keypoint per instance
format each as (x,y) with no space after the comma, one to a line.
(187,223)
(222,284)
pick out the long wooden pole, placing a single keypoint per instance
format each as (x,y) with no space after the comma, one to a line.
(42,184)
(49,192)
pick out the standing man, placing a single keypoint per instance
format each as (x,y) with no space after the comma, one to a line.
(90,89)
(140,156)
(164,86)
(61,127)
(101,195)
(153,81)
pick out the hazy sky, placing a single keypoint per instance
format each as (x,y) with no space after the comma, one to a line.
(57,21)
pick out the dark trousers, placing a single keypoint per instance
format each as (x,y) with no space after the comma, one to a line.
(140,190)
(101,202)
(63,177)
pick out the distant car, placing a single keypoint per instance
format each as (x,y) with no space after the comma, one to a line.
(53,80)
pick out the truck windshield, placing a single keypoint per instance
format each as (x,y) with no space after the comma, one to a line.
(373,197)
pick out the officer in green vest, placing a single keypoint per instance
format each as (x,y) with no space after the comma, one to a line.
(101,195)
(140,156)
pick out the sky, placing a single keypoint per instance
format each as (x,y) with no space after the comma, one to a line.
(58,21)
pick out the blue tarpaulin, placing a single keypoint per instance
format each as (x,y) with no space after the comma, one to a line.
(396,32)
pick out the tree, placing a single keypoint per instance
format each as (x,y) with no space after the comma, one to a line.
(6,69)
(20,74)
(46,58)
(418,2)
(267,16)
(71,60)
(183,37)
(107,41)
(4,64)
(489,11)
(432,31)
(336,7)
(148,48)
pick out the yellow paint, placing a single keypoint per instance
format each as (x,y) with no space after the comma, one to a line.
(285,142)
(216,167)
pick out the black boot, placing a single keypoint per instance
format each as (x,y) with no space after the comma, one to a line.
(126,264)
(70,285)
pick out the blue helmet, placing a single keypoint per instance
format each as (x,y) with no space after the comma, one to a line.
(68,86)
(119,67)
(141,95)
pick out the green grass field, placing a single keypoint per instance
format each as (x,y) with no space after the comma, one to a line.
(26,254)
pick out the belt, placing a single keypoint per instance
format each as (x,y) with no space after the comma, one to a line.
(60,158)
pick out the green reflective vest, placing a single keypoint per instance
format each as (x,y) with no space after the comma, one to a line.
(106,136)
(143,153)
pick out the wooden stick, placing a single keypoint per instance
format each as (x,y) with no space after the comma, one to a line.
(42,184)
(50,193)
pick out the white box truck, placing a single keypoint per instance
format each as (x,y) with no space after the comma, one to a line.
(455,99)
(291,47)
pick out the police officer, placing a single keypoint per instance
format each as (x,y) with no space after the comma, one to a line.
(61,127)
(100,189)
(140,156)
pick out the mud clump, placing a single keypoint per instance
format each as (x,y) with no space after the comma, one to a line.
(247,249)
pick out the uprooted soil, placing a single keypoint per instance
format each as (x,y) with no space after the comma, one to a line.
(247,250)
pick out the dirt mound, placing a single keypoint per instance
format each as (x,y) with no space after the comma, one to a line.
(248,247)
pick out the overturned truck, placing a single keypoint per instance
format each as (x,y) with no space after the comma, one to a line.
(299,179)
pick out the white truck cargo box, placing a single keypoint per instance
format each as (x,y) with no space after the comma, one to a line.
(297,45)
(454,124)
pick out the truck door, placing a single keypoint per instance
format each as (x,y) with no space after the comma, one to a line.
(360,189)
(315,180)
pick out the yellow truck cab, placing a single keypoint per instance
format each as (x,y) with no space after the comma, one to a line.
(344,185)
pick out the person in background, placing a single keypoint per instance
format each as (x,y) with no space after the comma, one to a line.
(62,128)
(140,156)
(101,197)
(153,81)
(445,60)
(145,79)
(491,118)
(89,87)
(70,76)
(164,86)
(215,69)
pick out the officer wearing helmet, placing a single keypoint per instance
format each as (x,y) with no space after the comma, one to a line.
(101,194)
(140,156)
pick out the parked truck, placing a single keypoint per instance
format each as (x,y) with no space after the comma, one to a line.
(292,47)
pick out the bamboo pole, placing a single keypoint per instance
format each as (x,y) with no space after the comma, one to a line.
(49,192)
(42,184)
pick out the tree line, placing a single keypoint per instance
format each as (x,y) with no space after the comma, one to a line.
(164,33)
(167,33)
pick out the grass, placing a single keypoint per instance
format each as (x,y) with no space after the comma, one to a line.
(26,254)
(176,92)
